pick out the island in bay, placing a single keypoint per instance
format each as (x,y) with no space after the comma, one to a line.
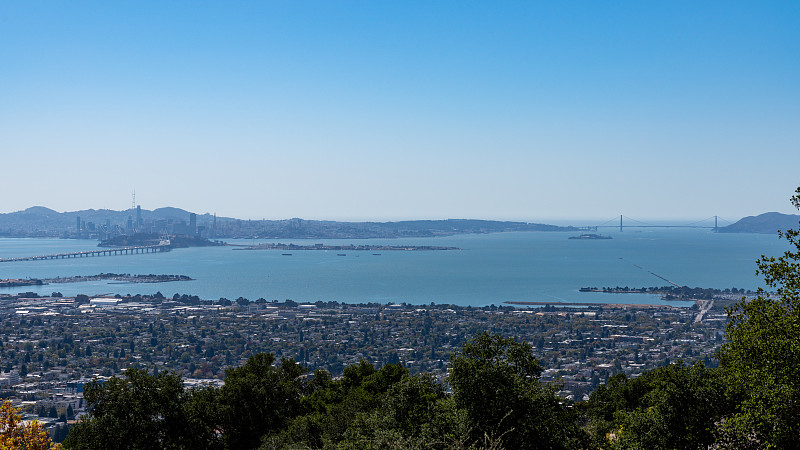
(119,277)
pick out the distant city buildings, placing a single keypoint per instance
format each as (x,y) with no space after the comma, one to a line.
(9,379)
(138,224)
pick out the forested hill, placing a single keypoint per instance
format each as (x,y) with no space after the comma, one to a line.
(767,223)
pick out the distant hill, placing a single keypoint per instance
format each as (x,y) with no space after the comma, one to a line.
(39,221)
(767,223)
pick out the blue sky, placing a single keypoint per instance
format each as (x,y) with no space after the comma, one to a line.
(539,111)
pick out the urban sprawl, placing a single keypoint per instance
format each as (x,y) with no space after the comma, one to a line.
(51,346)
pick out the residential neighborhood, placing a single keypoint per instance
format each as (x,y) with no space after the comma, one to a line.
(51,346)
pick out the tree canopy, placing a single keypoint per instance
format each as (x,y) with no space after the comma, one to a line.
(674,406)
(140,411)
(496,381)
(762,358)
(16,435)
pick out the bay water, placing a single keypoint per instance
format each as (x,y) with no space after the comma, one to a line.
(489,268)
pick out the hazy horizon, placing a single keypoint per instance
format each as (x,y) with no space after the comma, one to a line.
(629,221)
(381,111)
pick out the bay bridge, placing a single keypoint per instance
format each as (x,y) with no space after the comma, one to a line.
(633,223)
(161,247)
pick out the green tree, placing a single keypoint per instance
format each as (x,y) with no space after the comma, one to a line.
(762,357)
(258,399)
(140,411)
(332,408)
(674,406)
(414,413)
(496,382)
(17,435)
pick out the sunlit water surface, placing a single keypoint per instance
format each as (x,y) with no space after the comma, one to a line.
(490,269)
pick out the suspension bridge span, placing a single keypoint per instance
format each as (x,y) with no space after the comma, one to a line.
(633,223)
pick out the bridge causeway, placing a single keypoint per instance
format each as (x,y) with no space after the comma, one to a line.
(107,252)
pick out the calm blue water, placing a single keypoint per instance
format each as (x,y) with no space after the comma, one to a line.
(491,269)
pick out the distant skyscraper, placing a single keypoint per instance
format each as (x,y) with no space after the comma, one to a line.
(78,225)
(192,223)
(139,222)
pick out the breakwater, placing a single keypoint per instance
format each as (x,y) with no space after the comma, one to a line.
(119,277)
(128,278)
(350,247)
(588,305)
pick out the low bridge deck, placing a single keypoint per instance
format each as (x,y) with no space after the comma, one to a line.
(90,253)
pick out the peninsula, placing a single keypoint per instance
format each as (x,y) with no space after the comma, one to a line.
(675,292)
(767,223)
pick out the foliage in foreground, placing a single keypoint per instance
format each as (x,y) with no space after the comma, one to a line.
(675,407)
(497,401)
(16,435)
(762,358)
(265,404)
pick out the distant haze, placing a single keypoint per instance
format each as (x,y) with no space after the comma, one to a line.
(534,111)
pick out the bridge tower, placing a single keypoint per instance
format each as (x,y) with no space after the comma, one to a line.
(620,223)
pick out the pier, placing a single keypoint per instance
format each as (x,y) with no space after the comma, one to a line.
(107,252)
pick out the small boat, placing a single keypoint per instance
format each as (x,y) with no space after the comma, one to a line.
(286,254)
(341,254)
